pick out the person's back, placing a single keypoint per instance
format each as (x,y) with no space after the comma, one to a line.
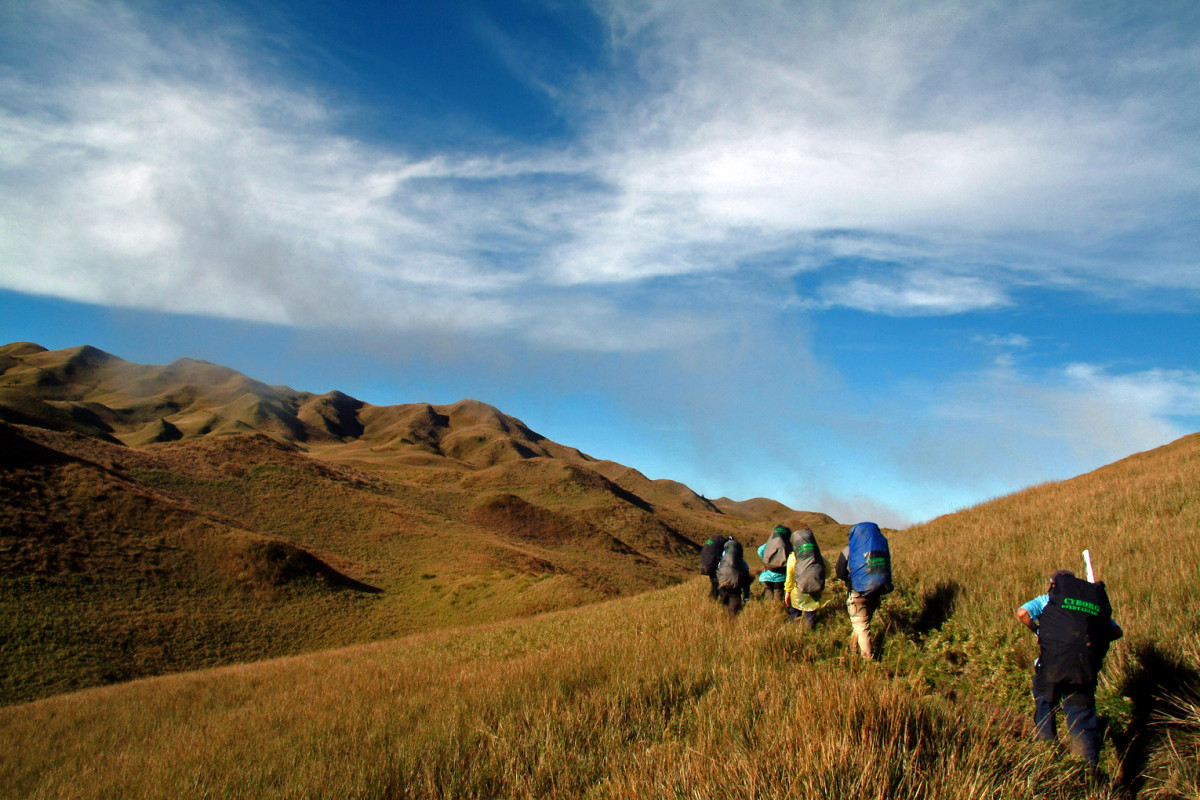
(710,557)
(866,566)
(805,579)
(1074,625)
(733,577)
(1074,630)
(868,560)
(774,554)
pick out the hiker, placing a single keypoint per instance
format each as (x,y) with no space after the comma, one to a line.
(1074,625)
(733,578)
(805,578)
(865,564)
(774,554)
(710,556)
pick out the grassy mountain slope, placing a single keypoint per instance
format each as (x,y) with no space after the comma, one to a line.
(659,695)
(157,519)
(93,392)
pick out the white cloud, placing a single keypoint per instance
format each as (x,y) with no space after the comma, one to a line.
(176,180)
(916,294)
(1011,341)
(1006,425)
(954,125)
(921,449)
(155,168)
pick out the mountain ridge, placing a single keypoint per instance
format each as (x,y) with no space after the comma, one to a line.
(141,496)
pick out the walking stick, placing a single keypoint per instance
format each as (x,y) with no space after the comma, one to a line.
(1087,562)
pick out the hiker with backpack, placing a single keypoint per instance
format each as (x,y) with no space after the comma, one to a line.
(710,556)
(733,578)
(774,554)
(865,564)
(805,578)
(1074,625)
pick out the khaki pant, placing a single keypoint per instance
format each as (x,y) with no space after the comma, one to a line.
(861,610)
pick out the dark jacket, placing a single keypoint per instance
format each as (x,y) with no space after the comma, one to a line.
(842,568)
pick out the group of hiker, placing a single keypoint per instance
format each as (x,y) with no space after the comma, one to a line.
(1073,620)
(794,575)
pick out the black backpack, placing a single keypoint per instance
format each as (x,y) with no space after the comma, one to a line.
(710,555)
(1074,631)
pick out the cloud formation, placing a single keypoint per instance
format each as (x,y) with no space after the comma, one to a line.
(155,168)
(966,128)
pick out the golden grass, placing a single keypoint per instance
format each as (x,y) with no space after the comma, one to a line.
(655,696)
(661,696)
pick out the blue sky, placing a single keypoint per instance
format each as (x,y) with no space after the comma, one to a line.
(883,260)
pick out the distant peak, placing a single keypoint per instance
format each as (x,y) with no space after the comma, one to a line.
(186,361)
(21,349)
(89,353)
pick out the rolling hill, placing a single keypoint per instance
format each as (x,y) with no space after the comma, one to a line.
(164,518)
(659,694)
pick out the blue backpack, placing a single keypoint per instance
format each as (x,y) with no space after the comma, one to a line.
(868,560)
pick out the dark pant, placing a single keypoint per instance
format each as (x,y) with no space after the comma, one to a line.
(810,617)
(772,591)
(715,592)
(731,599)
(1078,702)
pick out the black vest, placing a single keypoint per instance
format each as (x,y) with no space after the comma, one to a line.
(710,555)
(1074,631)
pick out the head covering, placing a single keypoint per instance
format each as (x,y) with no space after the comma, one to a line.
(1059,574)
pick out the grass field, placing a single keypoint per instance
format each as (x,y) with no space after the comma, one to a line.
(662,695)
(655,696)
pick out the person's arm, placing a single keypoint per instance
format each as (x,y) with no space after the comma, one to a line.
(1117,633)
(1030,614)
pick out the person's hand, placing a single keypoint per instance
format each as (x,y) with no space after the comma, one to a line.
(787,598)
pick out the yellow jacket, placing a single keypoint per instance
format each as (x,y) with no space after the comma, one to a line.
(800,600)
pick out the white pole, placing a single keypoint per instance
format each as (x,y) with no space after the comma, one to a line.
(1087,562)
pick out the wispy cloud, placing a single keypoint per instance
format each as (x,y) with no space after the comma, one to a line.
(917,293)
(156,171)
(1006,423)
(154,166)
(1011,341)
(966,128)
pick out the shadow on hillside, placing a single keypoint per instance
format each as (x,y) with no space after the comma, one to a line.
(930,612)
(18,452)
(345,582)
(1158,676)
(937,604)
